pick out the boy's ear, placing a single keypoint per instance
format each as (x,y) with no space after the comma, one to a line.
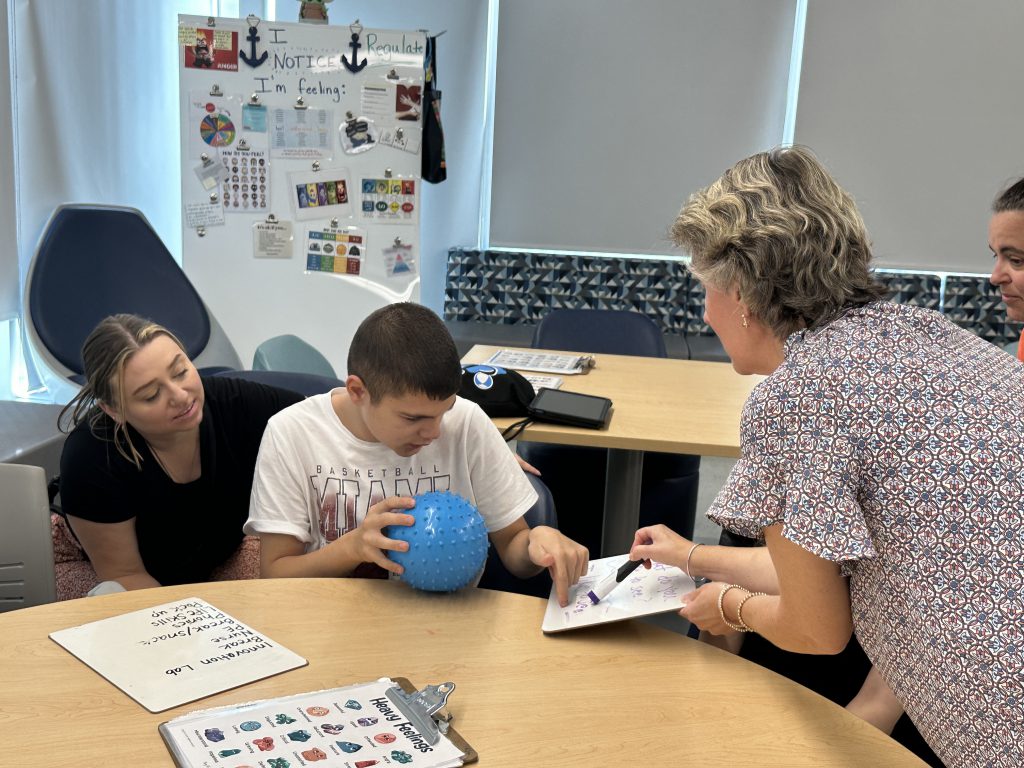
(357,391)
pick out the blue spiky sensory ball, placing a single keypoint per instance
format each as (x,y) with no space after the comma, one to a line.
(447,543)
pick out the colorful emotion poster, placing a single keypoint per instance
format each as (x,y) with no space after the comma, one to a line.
(213,49)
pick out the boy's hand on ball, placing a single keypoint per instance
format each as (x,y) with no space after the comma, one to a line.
(371,543)
(565,560)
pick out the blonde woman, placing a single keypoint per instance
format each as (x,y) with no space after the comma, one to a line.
(157,469)
(881,462)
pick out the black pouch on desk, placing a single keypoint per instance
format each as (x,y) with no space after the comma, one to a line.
(573,408)
(498,391)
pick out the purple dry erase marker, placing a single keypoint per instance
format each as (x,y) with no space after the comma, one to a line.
(598,593)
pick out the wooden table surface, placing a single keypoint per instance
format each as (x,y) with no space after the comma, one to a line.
(614,695)
(660,404)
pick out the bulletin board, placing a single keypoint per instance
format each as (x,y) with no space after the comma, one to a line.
(300,186)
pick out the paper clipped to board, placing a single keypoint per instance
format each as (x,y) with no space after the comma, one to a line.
(371,724)
(177,652)
(542,362)
(643,593)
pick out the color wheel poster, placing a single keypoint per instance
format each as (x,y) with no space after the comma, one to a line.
(213,123)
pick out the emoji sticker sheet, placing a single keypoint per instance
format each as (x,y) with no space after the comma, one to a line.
(642,593)
(354,726)
(390,200)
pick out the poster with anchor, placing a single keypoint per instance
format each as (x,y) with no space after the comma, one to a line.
(310,115)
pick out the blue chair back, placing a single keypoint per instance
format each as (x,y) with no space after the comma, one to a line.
(670,481)
(496,576)
(290,353)
(93,261)
(608,331)
(305,384)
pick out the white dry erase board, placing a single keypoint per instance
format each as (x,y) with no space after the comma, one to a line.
(177,652)
(297,123)
(642,593)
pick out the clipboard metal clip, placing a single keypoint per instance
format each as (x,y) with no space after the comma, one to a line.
(424,708)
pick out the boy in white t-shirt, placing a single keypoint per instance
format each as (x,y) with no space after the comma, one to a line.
(336,469)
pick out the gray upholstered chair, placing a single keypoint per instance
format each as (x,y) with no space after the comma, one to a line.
(26,548)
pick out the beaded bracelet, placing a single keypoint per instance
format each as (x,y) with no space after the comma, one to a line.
(688,556)
(739,610)
(721,609)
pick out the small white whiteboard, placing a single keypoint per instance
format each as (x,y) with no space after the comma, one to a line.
(177,652)
(643,593)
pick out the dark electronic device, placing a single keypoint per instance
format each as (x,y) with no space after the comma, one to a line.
(573,408)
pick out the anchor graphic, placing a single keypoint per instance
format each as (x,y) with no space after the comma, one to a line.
(356,29)
(252,59)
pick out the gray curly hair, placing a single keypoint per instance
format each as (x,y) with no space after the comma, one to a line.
(777,227)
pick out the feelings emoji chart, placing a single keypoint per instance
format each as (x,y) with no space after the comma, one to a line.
(643,593)
(336,251)
(177,652)
(355,726)
(244,188)
(389,200)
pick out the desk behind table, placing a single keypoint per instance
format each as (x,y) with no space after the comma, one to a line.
(659,404)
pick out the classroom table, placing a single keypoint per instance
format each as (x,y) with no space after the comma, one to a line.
(617,694)
(659,404)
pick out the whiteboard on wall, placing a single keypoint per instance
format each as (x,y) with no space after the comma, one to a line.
(300,152)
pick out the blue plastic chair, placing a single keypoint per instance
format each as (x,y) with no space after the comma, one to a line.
(670,481)
(496,576)
(611,331)
(305,384)
(98,260)
(290,353)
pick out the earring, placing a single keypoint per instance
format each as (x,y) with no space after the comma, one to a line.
(745,323)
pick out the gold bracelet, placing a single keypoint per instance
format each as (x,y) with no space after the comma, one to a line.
(688,556)
(721,609)
(739,609)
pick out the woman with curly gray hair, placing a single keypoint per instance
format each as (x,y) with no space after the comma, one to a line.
(880,463)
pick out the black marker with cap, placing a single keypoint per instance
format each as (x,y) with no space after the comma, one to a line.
(602,590)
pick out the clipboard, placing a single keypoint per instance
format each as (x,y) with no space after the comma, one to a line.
(387,720)
(541,361)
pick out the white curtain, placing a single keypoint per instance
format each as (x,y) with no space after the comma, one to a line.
(96,110)
(8,226)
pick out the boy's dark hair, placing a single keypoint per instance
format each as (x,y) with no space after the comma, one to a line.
(405,349)
(1010,199)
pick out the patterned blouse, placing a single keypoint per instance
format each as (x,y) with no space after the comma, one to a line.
(890,441)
